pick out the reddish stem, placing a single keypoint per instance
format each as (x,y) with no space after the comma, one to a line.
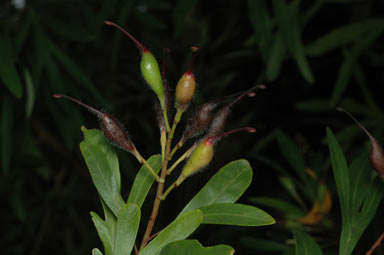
(110,23)
(89,108)
(213,139)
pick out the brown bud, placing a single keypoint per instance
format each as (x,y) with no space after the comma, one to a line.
(376,155)
(112,128)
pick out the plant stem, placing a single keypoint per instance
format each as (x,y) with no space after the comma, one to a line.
(375,245)
(157,202)
(183,157)
(150,169)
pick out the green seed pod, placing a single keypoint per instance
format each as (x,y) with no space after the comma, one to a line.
(149,67)
(203,154)
(151,73)
(199,159)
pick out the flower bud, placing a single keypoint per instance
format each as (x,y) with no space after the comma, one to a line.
(376,155)
(112,128)
(148,66)
(185,88)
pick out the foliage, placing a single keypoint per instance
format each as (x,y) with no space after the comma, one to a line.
(312,56)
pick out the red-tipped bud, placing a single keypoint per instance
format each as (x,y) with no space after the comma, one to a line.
(112,128)
(203,153)
(376,155)
(185,88)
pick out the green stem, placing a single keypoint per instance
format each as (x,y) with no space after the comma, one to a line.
(150,169)
(181,159)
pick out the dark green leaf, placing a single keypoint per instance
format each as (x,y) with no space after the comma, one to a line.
(305,245)
(287,18)
(341,173)
(342,35)
(235,214)
(30,90)
(179,229)
(292,154)
(6,132)
(279,204)
(143,181)
(275,59)
(8,73)
(226,186)
(262,244)
(127,225)
(193,247)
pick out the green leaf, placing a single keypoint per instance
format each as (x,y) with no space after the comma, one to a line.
(127,225)
(305,245)
(143,181)
(8,73)
(103,175)
(226,186)
(292,154)
(183,7)
(235,214)
(103,230)
(6,132)
(262,244)
(75,71)
(96,137)
(30,100)
(341,173)
(96,251)
(279,204)
(342,35)
(179,229)
(287,18)
(193,247)
(275,59)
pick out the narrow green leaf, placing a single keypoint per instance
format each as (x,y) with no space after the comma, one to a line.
(342,36)
(279,204)
(30,89)
(75,71)
(360,174)
(127,225)
(193,247)
(6,132)
(8,73)
(226,186)
(305,245)
(143,181)
(288,183)
(103,175)
(262,25)
(262,244)
(235,214)
(275,58)
(292,154)
(287,18)
(341,174)
(105,235)
(183,7)
(179,229)
(96,251)
(110,222)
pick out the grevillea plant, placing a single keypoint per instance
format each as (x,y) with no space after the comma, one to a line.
(213,204)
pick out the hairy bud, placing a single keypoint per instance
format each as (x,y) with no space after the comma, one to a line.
(112,128)
(376,155)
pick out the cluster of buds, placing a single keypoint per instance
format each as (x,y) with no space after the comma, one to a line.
(208,122)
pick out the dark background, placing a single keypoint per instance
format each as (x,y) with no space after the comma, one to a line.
(64,47)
